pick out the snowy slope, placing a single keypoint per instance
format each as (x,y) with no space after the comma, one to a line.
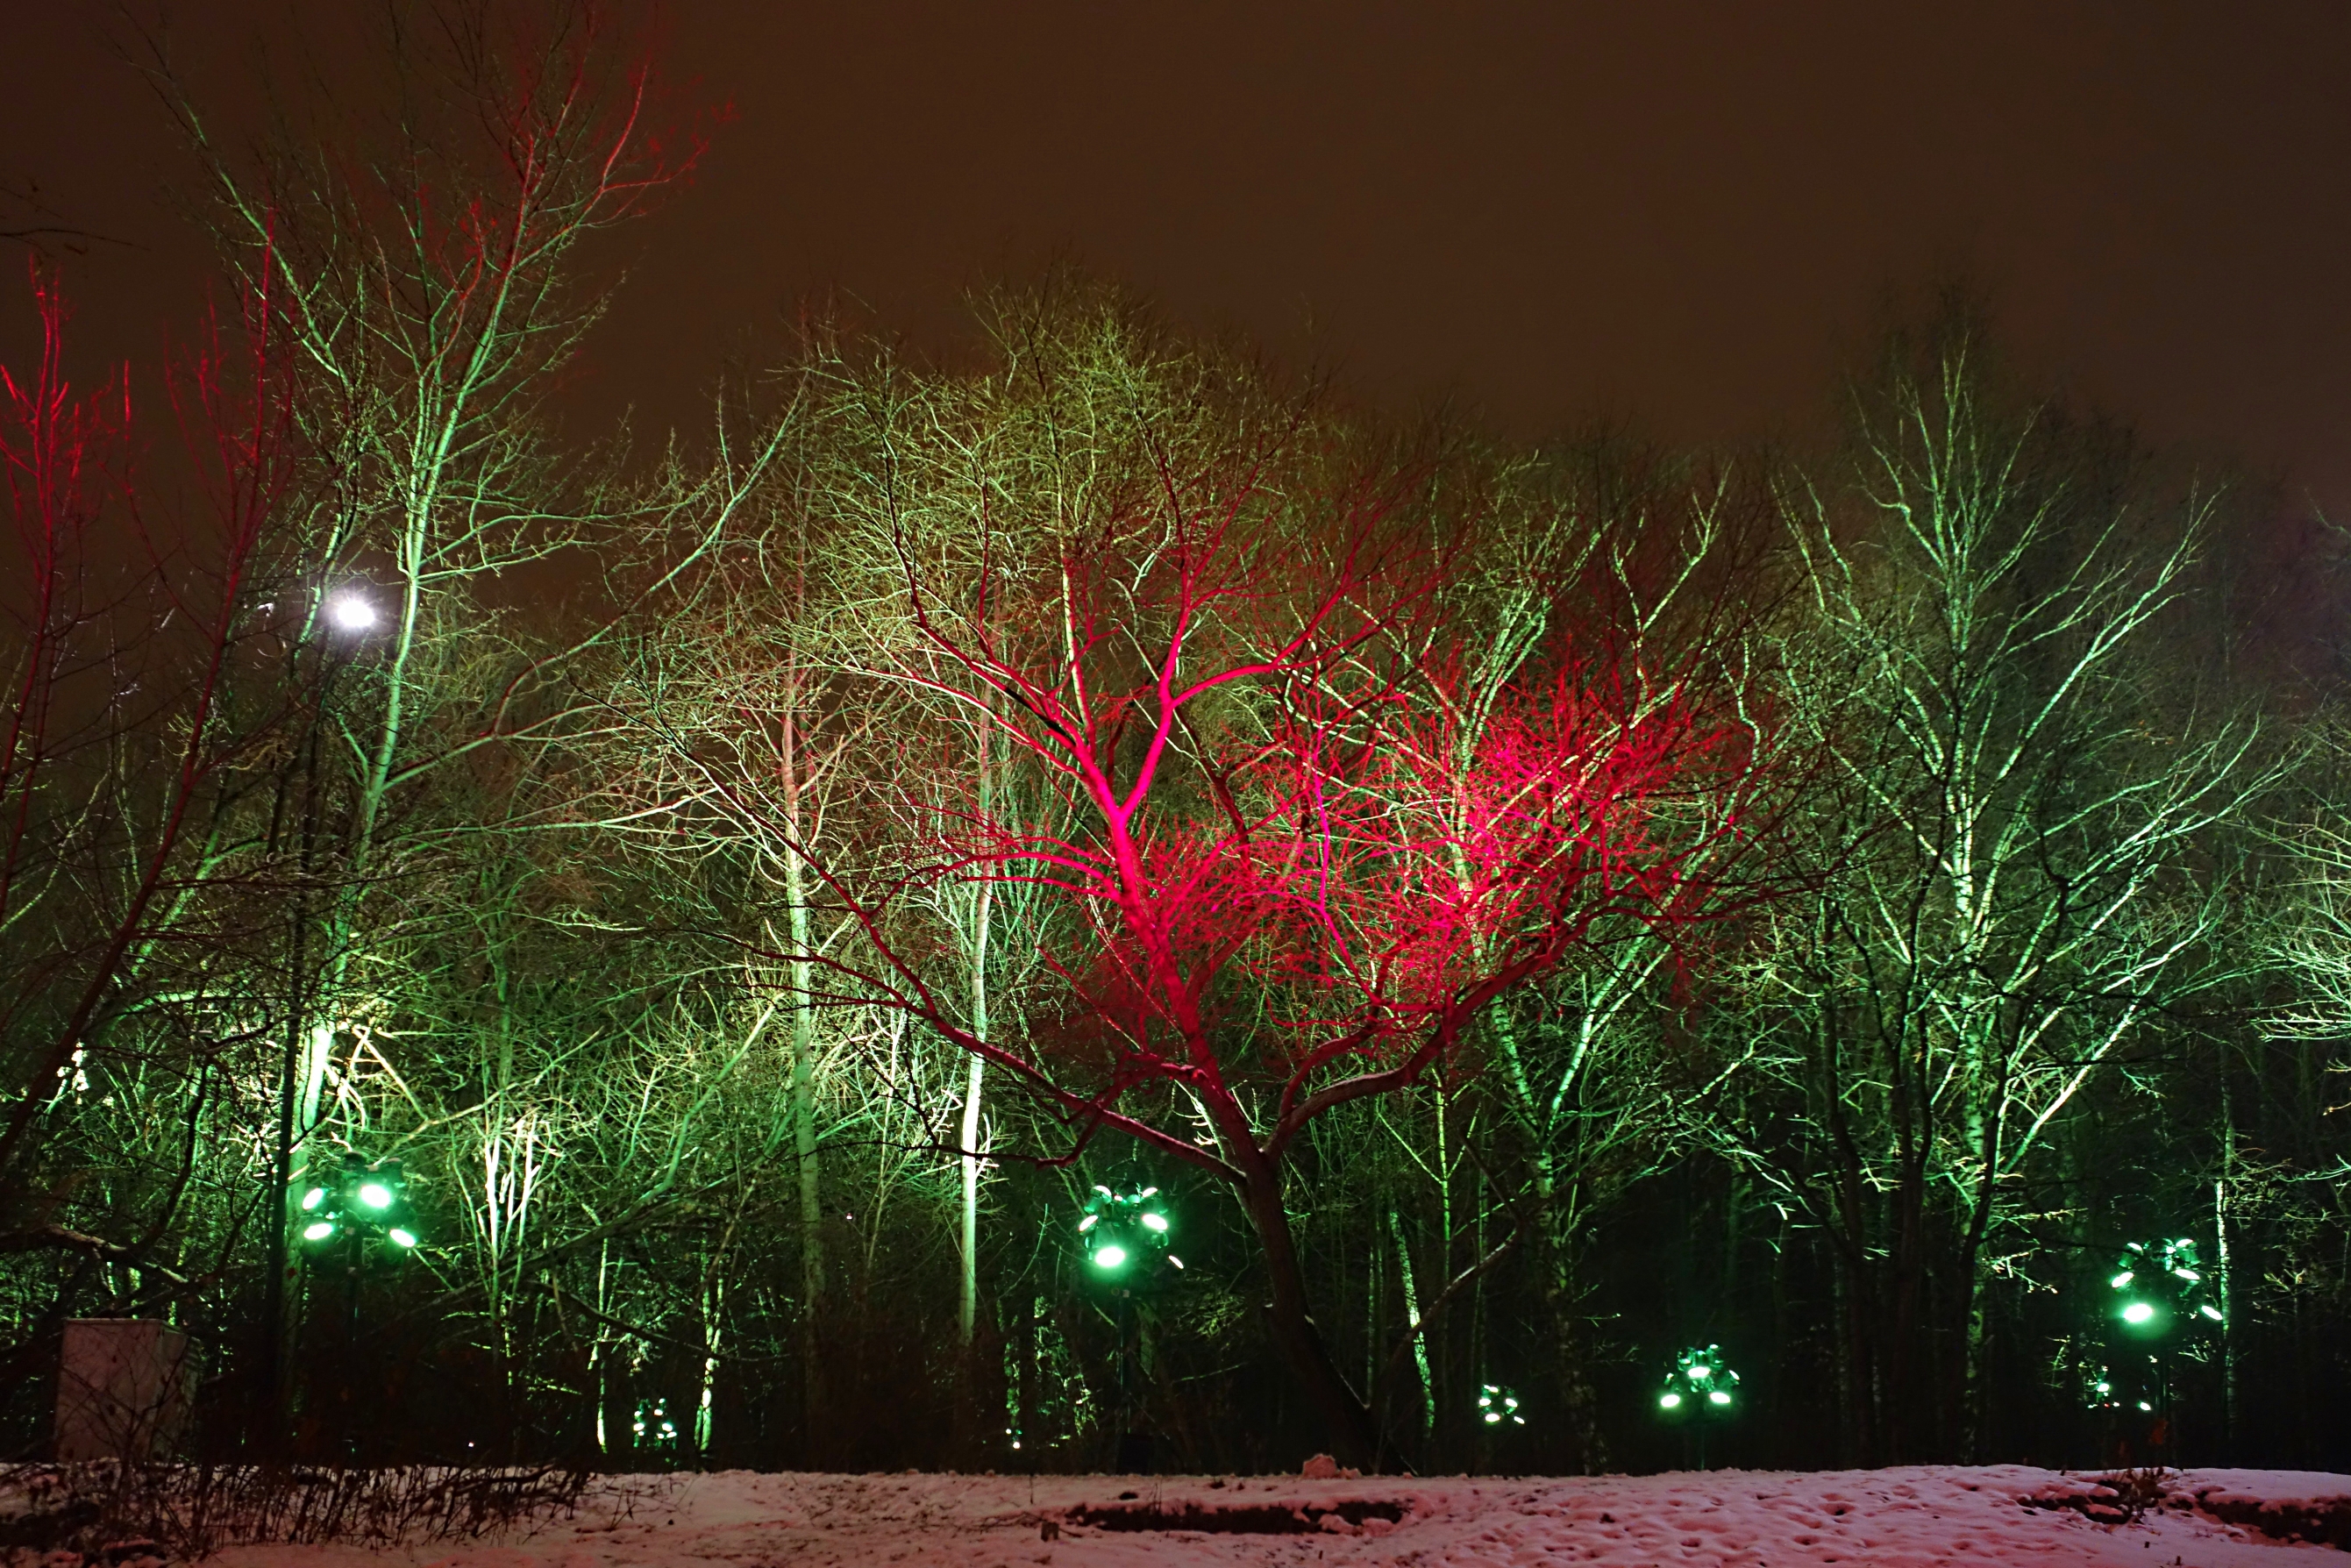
(1887,1519)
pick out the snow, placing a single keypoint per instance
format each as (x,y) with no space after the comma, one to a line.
(2284,1487)
(1993,1515)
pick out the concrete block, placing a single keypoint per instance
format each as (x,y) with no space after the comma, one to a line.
(123,1388)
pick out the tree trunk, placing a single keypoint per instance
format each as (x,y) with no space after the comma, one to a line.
(967,1304)
(1353,1431)
(803,1098)
(1412,1325)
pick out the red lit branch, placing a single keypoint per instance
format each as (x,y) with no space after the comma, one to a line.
(1257,782)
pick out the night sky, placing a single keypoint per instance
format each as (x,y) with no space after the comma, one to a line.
(1684,218)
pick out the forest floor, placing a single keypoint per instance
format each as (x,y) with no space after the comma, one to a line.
(1884,1518)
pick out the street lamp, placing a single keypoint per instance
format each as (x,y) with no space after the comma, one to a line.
(351,610)
(2160,1293)
(2159,1283)
(654,1432)
(1122,1230)
(1497,1405)
(352,613)
(359,1202)
(337,1213)
(1125,1237)
(1699,1384)
(1699,1392)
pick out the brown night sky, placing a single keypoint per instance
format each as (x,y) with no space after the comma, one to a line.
(1684,216)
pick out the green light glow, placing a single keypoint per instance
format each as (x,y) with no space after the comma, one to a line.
(2119,1280)
(375,1195)
(1498,1404)
(1127,1235)
(1700,1386)
(400,1237)
(314,1197)
(318,1230)
(2209,1311)
(2138,1312)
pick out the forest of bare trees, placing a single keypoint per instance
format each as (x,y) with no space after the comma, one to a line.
(1524,907)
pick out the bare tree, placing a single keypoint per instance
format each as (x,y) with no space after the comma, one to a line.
(132,769)
(2005,846)
(1226,700)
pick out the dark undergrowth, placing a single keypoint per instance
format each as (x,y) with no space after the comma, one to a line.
(124,1515)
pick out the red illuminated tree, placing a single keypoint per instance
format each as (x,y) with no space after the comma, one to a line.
(1290,867)
(123,758)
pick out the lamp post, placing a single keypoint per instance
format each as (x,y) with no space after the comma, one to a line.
(350,615)
(339,1218)
(1700,1392)
(1125,1237)
(2160,1295)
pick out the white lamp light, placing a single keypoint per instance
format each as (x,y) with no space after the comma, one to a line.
(351,612)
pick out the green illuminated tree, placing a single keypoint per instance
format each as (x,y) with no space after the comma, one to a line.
(2008,845)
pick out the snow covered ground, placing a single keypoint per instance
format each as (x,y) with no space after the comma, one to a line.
(1885,1518)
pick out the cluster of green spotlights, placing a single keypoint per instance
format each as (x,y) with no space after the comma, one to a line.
(652,1428)
(2159,1292)
(355,1202)
(1124,1229)
(2160,1284)
(1497,1405)
(1699,1384)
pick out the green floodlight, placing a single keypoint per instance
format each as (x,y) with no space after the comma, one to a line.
(1700,1385)
(2160,1283)
(360,1201)
(1122,1230)
(1497,1405)
(652,1428)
